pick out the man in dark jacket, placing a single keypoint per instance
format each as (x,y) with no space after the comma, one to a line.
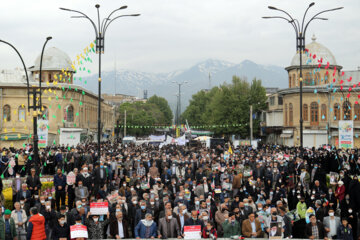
(315,229)
(140,213)
(33,183)
(194,220)
(115,230)
(60,184)
(61,229)
(287,223)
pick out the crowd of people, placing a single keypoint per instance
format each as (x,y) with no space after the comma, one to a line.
(155,192)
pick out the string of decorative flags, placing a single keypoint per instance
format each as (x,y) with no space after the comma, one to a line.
(52,94)
(315,79)
(191,127)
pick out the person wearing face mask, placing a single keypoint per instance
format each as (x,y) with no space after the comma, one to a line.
(194,220)
(146,228)
(273,218)
(168,226)
(60,185)
(182,217)
(86,179)
(16,186)
(95,227)
(100,176)
(340,191)
(220,217)
(301,208)
(61,230)
(119,227)
(140,213)
(81,191)
(331,224)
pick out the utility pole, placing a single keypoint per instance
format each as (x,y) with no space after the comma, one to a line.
(125,124)
(251,125)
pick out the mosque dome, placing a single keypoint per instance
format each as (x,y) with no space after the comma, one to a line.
(53,60)
(315,48)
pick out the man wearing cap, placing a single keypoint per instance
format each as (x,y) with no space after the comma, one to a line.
(7,226)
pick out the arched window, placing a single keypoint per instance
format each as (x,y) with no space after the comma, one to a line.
(294,84)
(317,79)
(307,79)
(286,115)
(347,110)
(69,113)
(7,113)
(336,112)
(22,113)
(44,113)
(291,120)
(326,78)
(314,114)
(290,80)
(323,112)
(357,112)
(305,112)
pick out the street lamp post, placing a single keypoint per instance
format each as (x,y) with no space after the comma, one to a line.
(179,101)
(37,103)
(300,31)
(100,31)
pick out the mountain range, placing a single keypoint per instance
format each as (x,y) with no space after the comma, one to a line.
(197,77)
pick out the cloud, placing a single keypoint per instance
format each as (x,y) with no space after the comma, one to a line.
(174,34)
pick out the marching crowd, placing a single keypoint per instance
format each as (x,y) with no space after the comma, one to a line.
(156,192)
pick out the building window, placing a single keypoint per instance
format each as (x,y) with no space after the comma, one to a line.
(357,112)
(69,113)
(336,112)
(7,113)
(291,120)
(305,112)
(308,79)
(22,113)
(290,80)
(280,101)
(294,83)
(323,112)
(272,101)
(44,113)
(347,110)
(314,114)
(286,115)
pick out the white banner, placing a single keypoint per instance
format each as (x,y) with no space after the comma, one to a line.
(42,131)
(346,134)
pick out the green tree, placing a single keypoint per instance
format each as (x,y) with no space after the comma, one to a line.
(164,107)
(228,105)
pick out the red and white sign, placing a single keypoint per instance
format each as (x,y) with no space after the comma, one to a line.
(192,232)
(99,208)
(70,178)
(78,231)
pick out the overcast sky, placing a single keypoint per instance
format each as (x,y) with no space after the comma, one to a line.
(176,34)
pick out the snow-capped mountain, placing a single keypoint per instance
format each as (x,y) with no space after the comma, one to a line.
(197,77)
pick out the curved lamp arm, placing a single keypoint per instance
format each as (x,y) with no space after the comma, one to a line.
(41,58)
(25,69)
(106,26)
(84,16)
(315,16)
(303,20)
(108,18)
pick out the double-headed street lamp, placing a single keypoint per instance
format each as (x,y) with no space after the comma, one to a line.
(178,112)
(37,103)
(100,31)
(300,31)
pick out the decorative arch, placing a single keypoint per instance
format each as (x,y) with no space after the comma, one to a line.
(22,113)
(347,110)
(69,113)
(336,112)
(291,116)
(323,112)
(305,112)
